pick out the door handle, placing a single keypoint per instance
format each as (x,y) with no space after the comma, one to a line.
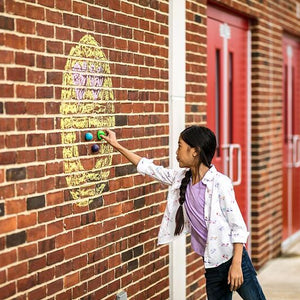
(239,163)
(296,151)
(231,148)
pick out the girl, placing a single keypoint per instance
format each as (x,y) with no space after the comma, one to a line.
(202,201)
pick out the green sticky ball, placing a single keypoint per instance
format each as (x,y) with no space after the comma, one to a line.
(100,133)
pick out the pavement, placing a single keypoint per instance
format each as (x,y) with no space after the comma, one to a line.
(280,277)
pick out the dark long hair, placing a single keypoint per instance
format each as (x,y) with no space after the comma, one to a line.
(204,140)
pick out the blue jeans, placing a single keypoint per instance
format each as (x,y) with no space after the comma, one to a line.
(218,289)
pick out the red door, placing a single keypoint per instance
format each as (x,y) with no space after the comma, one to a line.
(227,111)
(291,143)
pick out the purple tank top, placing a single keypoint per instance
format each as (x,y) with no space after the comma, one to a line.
(194,206)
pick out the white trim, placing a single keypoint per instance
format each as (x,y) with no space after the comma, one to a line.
(225,34)
(290,138)
(290,241)
(177,250)
(249,138)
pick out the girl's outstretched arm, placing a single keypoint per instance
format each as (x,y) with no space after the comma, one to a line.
(110,137)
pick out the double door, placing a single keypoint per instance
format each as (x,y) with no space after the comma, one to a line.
(291,141)
(228,109)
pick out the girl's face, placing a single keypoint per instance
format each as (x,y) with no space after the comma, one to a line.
(186,155)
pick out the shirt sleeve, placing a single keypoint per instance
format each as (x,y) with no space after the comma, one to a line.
(160,173)
(232,213)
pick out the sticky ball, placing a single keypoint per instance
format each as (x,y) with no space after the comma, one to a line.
(88,136)
(100,133)
(95,148)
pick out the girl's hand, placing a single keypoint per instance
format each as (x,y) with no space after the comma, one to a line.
(235,276)
(110,137)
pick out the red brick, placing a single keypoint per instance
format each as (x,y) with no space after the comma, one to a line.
(3,276)
(45,30)
(64,5)
(46,154)
(45,123)
(26,59)
(53,108)
(26,156)
(53,138)
(14,41)
(17,271)
(64,295)
(6,57)
(37,171)
(54,47)
(72,251)
(45,185)
(16,8)
(86,24)
(7,258)
(35,44)
(35,140)
(35,76)
(79,8)
(44,92)
(55,286)
(25,91)
(8,290)
(70,20)
(55,257)
(45,62)
(27,220)
(46,215)
(35,108)
(63,34)
(55,198)
(7,90)
(25,26)
(39,293)
(27,283)
(37,263)
(2,176)
(71,280)
(54,77)
(34,234)
(35,12)
(45,276)
(55,228)
(15,141)
(15,206)
(48,3)
(15,107)
(8,224)
(7,124)
(27,251)
(55,17)
(25,188)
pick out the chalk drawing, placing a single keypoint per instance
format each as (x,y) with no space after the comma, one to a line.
(87,105)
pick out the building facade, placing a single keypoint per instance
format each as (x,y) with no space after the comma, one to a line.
(76,220)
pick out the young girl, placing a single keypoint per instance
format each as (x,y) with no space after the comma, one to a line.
(201,201)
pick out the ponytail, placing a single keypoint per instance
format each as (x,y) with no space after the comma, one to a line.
(179,214)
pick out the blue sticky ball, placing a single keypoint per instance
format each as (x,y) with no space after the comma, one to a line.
(95,148)
(88,136)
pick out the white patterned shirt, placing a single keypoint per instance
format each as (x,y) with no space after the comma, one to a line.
(223,218)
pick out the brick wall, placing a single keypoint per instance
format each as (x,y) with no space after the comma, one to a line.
(80,225)
(75,224)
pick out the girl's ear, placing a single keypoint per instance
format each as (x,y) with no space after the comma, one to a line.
(196,152)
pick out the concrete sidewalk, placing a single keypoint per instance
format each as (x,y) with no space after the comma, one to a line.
(280,277)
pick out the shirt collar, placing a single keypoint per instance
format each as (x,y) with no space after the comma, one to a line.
(209,175)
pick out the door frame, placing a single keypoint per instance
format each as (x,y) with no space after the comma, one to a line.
(220,15)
